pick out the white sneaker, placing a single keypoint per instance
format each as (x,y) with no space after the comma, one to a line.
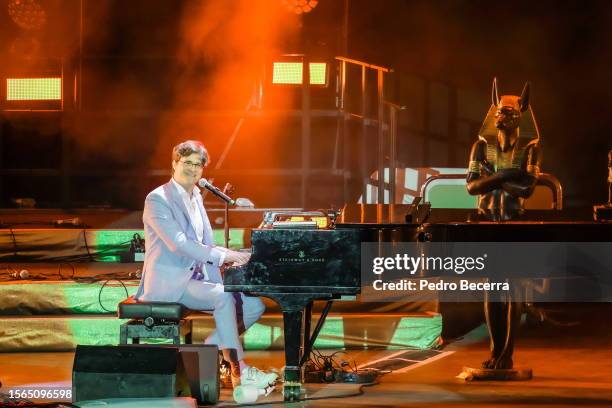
(254,376)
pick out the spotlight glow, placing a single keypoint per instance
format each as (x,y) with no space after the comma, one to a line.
(300,6)
(27,14)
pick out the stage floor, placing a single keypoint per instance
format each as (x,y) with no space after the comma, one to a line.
(572,367)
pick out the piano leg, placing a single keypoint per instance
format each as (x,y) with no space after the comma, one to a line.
(294,336)
(306,349)
(297,312)
(308,338)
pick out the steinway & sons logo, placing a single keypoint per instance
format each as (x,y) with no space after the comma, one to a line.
(301,258)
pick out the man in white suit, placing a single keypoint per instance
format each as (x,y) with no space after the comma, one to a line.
(183,265)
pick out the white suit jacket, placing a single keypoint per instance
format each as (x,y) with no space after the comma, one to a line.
(172,250)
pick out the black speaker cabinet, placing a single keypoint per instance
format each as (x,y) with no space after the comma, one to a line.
(146,371)
(101,372)
(201,364)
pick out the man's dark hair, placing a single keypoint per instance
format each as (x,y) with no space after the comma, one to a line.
(189,147)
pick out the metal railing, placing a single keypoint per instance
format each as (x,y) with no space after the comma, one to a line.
(544,179)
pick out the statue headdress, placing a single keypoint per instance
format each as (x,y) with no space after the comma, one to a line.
(528,129)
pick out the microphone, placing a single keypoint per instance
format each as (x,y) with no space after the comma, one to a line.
(22,274)
(207,185)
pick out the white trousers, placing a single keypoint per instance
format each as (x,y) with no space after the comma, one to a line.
(233,312)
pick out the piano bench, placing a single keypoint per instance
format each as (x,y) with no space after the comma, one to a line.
(153,320)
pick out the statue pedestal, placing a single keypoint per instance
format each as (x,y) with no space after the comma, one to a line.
(487,374)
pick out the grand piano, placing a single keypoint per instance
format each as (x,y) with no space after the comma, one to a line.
(299,258)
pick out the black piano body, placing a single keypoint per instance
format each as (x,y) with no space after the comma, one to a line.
(295,267)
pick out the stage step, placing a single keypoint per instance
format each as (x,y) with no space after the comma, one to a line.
(68,297)
(63,333)
(51,297)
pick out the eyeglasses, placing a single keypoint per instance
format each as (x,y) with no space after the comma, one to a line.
(192,165)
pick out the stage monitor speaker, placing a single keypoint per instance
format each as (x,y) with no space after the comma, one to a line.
(101,372)
(201,363)
(132,371)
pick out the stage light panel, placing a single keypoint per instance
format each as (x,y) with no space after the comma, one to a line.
(34,89)
(318,73)
(287,73)
(291,73)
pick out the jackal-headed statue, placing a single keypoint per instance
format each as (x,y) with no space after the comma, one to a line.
(505,160)
(503,170)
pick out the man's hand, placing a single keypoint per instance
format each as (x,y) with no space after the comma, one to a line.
(236,258)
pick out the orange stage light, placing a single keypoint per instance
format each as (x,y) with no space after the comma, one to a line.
(27,14)
(300,6)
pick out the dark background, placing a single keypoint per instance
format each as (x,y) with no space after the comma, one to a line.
(151,73)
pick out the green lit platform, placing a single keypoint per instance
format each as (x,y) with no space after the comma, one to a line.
(58,315)
(101,296)
(82,245)
(22,298)
(63,333)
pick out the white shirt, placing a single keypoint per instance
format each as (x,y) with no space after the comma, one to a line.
(195,216)
(191,204)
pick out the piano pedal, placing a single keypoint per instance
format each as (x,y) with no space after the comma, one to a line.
(293,391)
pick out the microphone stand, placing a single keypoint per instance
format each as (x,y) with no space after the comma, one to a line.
(226,225)
(228,189)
